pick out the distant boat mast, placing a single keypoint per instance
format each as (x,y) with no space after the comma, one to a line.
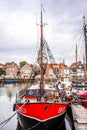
(76,63)
(85,36)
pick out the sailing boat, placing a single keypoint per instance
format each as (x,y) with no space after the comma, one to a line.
(80,81)
(40,106)
(82,84)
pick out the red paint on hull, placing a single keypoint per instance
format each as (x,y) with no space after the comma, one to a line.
(84,104)
(83,95)
(42,111)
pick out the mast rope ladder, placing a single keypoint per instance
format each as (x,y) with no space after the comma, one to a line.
(52,60)
(47,56)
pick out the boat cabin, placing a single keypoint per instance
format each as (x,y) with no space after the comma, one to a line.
(49,93)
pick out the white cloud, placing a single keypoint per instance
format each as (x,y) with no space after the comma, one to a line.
(18,31)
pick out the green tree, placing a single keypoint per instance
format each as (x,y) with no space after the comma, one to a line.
(22,63)
(2,72)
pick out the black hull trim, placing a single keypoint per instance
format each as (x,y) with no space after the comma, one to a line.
(30,123)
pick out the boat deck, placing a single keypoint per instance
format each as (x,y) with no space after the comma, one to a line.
(23,101)
(79,116)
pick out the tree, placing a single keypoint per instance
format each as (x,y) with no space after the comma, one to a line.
(2,72)
(22,63)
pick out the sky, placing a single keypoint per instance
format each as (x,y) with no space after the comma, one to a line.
(19,28)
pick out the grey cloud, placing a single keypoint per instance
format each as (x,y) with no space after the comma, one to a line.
(18,26)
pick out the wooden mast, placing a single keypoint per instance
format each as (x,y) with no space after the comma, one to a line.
(41,52)
(85,36)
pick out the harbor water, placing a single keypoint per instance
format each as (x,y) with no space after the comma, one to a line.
(7,99)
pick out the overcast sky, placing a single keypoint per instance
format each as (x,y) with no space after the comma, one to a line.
(19,33)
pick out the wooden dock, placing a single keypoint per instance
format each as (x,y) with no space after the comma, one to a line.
(79,116)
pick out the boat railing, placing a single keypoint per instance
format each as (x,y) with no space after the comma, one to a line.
(22,92)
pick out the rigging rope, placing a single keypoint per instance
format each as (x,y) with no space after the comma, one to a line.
(33,126)
(2,124)
(72,55)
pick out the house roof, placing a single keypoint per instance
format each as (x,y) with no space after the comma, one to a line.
(60,66)
(73,65)
(1,65)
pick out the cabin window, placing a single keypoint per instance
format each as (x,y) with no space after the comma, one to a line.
(32,92)
(49,92)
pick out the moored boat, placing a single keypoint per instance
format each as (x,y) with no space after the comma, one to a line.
(83,97)
(41,111)
(10,81)
(80,85)
(40,106)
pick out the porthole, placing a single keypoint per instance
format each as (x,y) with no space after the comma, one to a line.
(30,92)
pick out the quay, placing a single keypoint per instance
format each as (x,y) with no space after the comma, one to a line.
(19,80)
(79,114)
(12,80)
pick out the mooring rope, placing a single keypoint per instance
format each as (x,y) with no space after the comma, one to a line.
(33,126)
(2,124)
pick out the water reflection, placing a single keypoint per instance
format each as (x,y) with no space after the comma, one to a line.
(18,126)
(10,90)
(62,128)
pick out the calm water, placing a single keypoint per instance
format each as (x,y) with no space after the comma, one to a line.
(7,98)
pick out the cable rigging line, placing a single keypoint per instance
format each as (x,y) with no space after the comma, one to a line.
(2,124)
(71,50)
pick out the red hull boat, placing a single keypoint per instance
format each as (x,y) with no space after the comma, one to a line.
(40,112)
(80,84)
(40,106)
(83,96)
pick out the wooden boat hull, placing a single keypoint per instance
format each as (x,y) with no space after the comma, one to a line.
(42,116)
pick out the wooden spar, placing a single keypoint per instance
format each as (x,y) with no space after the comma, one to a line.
(85,36)
(41,52)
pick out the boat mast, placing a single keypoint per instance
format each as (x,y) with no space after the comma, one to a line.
(41,52)
(76,63)
(85,35)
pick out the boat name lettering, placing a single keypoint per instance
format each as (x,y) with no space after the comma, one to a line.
(23,110)
(61,109)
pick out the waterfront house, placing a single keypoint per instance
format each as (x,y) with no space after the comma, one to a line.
(1,66)
(63,70)
(64,74)
(77,69)
(25,71)
(50,71)
(11,70)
